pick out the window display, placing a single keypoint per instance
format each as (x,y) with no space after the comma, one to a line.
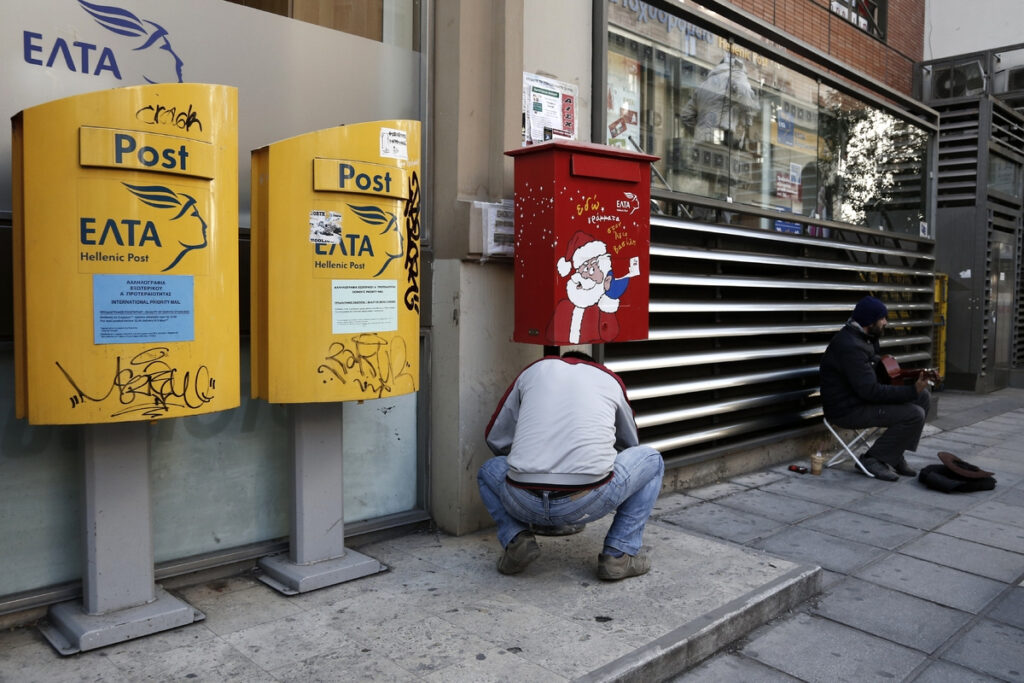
(731,124)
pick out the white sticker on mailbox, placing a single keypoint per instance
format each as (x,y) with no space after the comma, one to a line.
(394,144)
(364,306)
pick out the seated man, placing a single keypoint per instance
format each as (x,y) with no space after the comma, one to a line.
(567,453)
(853,397)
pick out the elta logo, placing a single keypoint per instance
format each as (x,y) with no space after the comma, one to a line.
(154,59)
(161,197)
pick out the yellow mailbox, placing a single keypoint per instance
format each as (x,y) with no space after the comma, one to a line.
(126,255)
(335,264)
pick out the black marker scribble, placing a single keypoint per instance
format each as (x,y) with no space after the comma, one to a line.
(149,386)
(370,361)
(158,114)
(412,253)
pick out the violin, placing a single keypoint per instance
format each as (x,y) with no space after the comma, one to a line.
(889,372)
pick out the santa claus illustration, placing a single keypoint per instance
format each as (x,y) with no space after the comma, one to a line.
(587,316)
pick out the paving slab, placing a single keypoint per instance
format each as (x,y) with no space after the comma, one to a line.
(207,659)
(723,522)
(814,547)
(949,441)
(900,511)
(892,615)
(36,660)
(930,581)
(916,493)
(816,649)
(1012,496)
(356,663)
(945,672)
(995,534)
(716,490)
(772,505)
(992,648)
(754,479)
(238,608)
(733,668)
(862,528)
(673,502)
(828,489)
(1001,565)
(978,435)
(1004,463)
(848,477)
(1010,609)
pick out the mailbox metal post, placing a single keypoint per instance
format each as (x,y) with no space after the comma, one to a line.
(119,598)
(317,557)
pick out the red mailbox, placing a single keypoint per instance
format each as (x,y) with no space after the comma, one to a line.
(582,243)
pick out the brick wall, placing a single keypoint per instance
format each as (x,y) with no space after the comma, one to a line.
(890,62)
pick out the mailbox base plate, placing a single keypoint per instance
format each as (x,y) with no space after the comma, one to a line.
(70,630)
(289,578)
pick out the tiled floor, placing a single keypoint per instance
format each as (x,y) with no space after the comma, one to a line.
(921,585)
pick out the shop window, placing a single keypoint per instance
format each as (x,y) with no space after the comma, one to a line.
(867,15)
(872,165)
(731,124)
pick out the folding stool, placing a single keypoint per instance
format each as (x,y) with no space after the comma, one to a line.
(847,447)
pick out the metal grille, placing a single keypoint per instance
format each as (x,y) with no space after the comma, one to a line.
(958,155)
(1017,357)
(979,140)
(740,315)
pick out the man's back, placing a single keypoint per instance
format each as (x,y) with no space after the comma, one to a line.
(562,417)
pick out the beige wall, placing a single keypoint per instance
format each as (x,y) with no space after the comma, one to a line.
(481,49)
(951,29)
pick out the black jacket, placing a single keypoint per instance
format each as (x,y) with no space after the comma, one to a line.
(848,374)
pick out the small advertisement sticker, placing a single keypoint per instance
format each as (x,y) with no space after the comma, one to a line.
(364,306)
(142,309)
(394,144)
(324,227)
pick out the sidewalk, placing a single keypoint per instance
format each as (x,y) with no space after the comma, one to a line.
(914,585)
(918,585)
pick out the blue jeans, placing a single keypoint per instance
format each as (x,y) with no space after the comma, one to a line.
(631,494)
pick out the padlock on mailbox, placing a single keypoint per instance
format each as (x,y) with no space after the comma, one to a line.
(582,243)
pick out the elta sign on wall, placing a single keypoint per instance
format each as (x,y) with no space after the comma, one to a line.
(582,244)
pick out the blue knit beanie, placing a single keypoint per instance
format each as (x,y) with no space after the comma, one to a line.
(868,311)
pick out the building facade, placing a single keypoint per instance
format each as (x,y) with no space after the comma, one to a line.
(793,177)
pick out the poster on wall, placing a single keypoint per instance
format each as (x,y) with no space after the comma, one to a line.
(623,100)
(549,109)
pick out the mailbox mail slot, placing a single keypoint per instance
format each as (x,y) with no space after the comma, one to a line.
(582,243)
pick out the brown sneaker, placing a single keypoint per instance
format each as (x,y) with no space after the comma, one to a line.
(614,568)
(519,553)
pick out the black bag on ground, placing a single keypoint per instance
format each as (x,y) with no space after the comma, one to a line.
(955,476)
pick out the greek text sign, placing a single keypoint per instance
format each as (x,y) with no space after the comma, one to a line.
(136,309)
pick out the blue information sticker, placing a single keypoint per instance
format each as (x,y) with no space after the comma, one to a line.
(142,309)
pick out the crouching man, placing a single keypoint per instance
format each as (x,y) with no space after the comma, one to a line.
(567,453)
